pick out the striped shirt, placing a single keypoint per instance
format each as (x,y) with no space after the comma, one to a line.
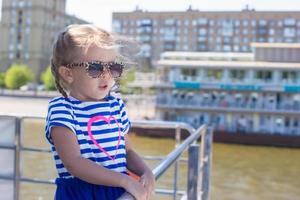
(98,126)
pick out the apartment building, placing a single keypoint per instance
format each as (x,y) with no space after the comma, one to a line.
(213,31)
(28,29)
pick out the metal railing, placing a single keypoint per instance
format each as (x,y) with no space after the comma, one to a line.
(198,186)
(198,164)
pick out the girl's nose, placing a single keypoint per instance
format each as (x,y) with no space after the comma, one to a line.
(105,73)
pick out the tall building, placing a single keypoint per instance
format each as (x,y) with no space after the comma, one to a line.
(28,29)
(193,30)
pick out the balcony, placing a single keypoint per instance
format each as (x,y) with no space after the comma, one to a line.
(205,103)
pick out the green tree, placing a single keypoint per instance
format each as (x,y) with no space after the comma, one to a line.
(48,79)
(128,77)
(18,75)
(2,77)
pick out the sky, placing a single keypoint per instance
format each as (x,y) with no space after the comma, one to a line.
(99,12)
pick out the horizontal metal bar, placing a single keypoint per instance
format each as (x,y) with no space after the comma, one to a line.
(169,192)
(34,180)
(162,124)
(21,116)
(36,149)
(11,178)
(161,158)
(7,147)
(30,180)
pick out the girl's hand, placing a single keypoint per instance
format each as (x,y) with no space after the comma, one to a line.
(136,189)
(148,181)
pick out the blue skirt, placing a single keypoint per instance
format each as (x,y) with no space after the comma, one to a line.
(77,189)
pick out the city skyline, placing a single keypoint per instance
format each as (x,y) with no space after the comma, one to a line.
(88,11)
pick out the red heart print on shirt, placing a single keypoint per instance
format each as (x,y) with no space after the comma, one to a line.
(107,120)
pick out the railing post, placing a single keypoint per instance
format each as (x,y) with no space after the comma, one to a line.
(17,159)
(176,168)
(193,169)
(205,166)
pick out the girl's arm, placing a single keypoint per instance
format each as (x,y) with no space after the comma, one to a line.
(136,164)
(68,150)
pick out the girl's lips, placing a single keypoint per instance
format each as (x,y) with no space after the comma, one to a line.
(103,87)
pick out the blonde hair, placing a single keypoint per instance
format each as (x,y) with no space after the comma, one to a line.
(74,42)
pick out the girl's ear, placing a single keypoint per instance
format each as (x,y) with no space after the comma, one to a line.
(66,74)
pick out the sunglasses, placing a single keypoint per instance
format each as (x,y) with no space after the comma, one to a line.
(95,69)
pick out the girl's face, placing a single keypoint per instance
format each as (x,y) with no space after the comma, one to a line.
(86,88)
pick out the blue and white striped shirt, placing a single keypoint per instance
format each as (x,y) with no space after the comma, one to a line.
(99,127)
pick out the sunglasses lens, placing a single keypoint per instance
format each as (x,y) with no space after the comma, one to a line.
(116,70)
(95,69)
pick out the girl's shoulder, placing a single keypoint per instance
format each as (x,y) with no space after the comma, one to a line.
(56,99)
(67,100)
(117,99)
(59,103)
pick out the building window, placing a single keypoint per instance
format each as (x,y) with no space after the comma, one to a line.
(271,31)
(289,40)
(271,40)
(227,48)
(186,22)
(188,74)
(27,56)
(194,22)
(289,77)
(178,22)
(245,48)
(202,47)
(202,21)
(18,55)
(237,23)
(245,40)
(116,24)
(202,31)
(11,56)
(298,32)
(21,4)
(262,22)
(214,74)
(265,76)
(170,21)
(237,75)
(236,48)
(289,32)
(202,38)
(289,22)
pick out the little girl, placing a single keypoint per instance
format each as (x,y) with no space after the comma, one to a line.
(87,127)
